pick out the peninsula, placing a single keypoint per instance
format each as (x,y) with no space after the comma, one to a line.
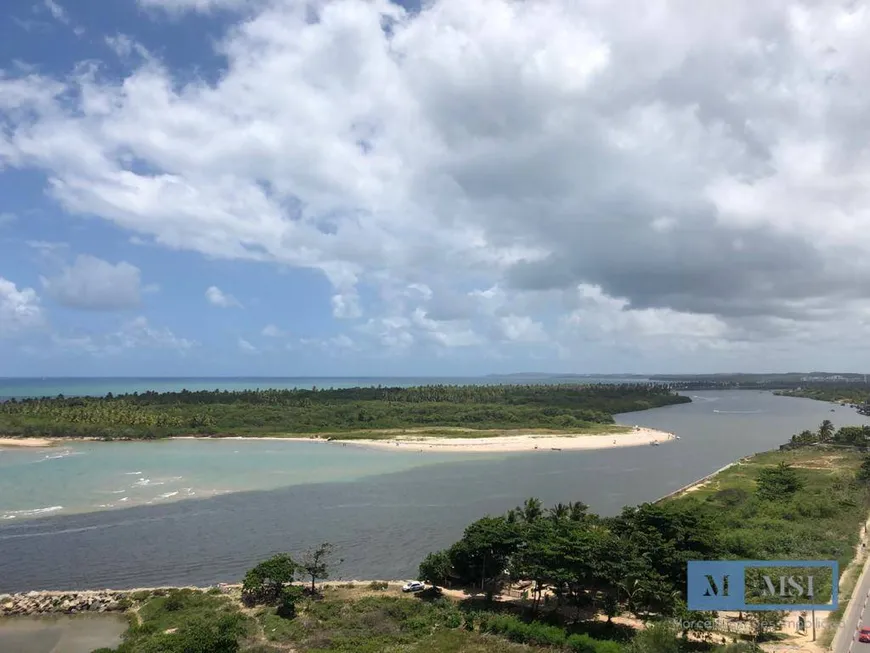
(429,418)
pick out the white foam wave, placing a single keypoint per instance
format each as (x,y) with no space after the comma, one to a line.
(14,514)
(132,473)
(63,453)
(146,482)
(167,495)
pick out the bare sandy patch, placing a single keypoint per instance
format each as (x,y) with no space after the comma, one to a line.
(26,442)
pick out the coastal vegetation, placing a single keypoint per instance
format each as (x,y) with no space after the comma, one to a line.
(325,413)
(856,395)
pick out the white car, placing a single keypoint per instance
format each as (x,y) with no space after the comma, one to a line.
(413,586)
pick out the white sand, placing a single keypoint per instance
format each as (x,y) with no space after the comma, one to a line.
(26,442)
(520,442)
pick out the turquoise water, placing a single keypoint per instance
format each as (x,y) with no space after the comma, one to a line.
(90,476)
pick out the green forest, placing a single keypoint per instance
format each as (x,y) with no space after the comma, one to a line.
(152,415)
(849,394)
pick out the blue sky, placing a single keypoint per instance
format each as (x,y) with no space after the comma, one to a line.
(349,187)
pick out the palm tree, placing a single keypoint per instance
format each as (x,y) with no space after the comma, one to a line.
(826,430)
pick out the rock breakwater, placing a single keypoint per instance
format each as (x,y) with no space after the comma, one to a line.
(34,603)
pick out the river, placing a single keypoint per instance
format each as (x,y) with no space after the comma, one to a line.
(385,518)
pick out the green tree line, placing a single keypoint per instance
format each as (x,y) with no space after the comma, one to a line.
(253,412)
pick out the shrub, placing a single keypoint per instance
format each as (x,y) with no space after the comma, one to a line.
(287,602)
(264,583)
(174,602)
(378,585)
(581,644)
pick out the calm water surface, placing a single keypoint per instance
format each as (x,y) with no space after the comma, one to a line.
(383,520)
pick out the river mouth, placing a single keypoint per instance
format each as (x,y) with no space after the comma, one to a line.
(61,633)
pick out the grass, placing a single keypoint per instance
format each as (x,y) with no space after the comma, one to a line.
(359,619)
(820,522)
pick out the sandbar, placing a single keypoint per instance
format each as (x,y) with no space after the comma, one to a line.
(520,442)
(26,442)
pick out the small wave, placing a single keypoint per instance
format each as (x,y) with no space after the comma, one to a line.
(13,514)
(737,412)
(132,473)
(167,495)
(64,453)
(123,499)
(147,482)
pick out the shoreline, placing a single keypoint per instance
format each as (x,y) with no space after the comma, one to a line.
(521,441)
(27,442)
(698,484)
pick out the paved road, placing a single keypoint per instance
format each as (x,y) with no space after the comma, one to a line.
(857,615)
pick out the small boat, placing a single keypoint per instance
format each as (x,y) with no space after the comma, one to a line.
(654,443)
(554,449)
(677,437)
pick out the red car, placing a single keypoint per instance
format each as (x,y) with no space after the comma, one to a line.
(864,635)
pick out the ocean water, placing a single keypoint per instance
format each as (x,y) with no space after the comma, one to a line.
(91,476)
(98,387)
(383,521)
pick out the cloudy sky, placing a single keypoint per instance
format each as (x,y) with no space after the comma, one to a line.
(347,187)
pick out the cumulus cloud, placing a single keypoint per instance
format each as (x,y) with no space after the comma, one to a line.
(20,310)
(94,284)
(217,297)
(613,172)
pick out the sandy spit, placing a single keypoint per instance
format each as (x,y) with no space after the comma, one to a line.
(26,442)
(507,443)
(521,442)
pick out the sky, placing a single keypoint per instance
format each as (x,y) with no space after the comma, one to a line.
(355,187)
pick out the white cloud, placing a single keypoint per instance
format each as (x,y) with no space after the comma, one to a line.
(271,331)
(195,5)
(702,173)
(57,11)
(20,310)
(136,334)
(522,328)
(124,46)
(247,347)
(217,297)
(346,306)
(95,284)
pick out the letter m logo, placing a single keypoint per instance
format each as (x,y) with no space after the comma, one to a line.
(714,584)
(714,588)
